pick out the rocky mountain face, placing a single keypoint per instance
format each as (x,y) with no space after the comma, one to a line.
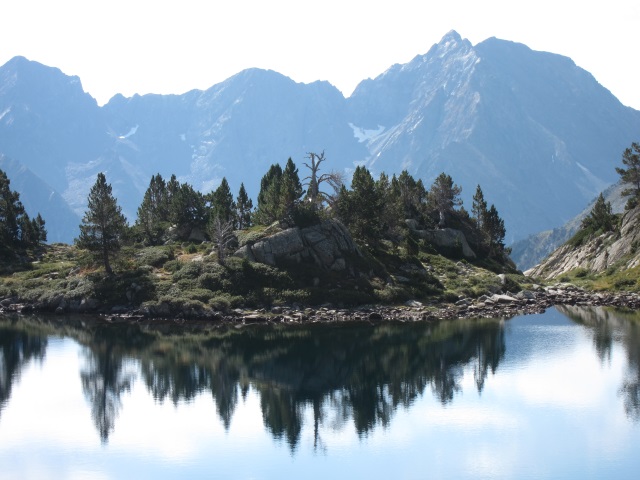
(538,133)
(596,254)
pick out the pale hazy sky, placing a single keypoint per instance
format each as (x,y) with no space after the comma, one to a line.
(162,46)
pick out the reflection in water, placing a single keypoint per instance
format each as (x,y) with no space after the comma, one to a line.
(17,349)
(105,377)
(608,327)
(342,374)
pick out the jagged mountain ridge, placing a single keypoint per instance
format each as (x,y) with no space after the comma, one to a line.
(532,128)
(538,133)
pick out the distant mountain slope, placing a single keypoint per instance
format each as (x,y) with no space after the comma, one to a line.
(533,249)
(38,197)
(538,133)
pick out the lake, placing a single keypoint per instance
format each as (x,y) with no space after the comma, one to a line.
(555,395)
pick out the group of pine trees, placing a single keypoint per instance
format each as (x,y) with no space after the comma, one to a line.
(376,209)
(18,231)
(373,210)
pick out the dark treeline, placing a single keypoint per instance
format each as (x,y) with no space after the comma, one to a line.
(375,211)
(362,373)
(18,232)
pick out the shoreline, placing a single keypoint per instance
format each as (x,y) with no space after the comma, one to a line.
(505,305)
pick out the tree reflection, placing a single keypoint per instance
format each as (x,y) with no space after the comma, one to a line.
(606,327)
(340,374)
(104,379)
(17,349)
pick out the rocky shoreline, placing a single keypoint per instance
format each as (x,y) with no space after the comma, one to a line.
(501,305)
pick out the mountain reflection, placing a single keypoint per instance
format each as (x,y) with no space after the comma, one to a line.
(607,327)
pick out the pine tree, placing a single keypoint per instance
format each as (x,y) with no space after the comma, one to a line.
(445,196)
(631,175)
(600,217)
(291,188)
(187,210)
(269,196)
(360,208)
(244,205)
(153,213)
(103,224)
(17,230)
(494,227)
(38,224)
(222,204)
(10,211)
(479,208)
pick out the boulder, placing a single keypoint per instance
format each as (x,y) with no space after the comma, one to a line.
(326,244)
(444,238)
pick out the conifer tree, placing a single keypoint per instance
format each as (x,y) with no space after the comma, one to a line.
(631,174)
(359,208)
(10,211)
(244,206)
(494,227)
(222,204)
(291,188)
(269,196)
(153,213)
(187,210)
(600,217)
(17,230)
(479,208)
(445,196)
(103,224)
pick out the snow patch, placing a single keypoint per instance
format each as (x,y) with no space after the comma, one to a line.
(365,135)
(183,137)
(4,113)
(131,132)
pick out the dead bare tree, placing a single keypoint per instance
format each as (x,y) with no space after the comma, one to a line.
(313,182)
(222,236)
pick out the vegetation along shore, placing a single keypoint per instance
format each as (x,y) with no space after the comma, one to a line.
(311,250)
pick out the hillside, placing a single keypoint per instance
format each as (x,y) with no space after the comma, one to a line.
(532,250)
(608,260)
(540,134)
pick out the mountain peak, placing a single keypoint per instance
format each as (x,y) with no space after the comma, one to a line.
(450,36)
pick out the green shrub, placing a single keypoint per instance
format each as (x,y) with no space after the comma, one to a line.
(173,266)
(392,294)
(154,256)
(188,270)
(200,294)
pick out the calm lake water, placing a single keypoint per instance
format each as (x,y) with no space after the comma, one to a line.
(555,395)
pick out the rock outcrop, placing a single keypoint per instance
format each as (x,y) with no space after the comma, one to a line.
(328,245)
(448,238)
(596,254)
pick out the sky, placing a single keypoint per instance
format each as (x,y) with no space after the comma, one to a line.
(162,46)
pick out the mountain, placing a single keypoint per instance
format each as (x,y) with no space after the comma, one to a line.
(532,250)
(38,196)
(538,133)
